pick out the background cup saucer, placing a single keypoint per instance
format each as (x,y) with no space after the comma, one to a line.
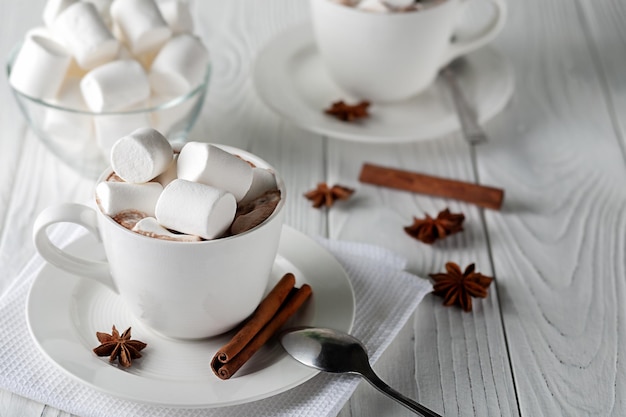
(290,78)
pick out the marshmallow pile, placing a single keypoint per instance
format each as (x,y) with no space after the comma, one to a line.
(110,56)
(201,192)
(386,6)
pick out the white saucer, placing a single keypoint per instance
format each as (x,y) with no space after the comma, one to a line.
(290,78)
(64,312)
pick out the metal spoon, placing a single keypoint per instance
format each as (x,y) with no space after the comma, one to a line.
(332,351)
(470,127)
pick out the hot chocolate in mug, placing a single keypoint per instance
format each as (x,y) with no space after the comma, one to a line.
(387,57)
(187,290)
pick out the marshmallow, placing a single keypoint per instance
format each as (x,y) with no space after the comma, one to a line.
(115,197)
(65,124)
(73,70)
(39,67)
(54,8)
(145,59)
(70,96)
(208,164)
(86,35)
(349,3)
(177,147)
(148,226)
(177,15)
(115,86)
(169,174)
(141,156)
(195,209)
(180,66)
(104,9)
(262,180)
(399,4)
(110,127)
(44,32)
(117,32)
(375,6)
(141,24)
(123,53)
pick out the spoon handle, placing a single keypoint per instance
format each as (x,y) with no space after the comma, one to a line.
(380,385)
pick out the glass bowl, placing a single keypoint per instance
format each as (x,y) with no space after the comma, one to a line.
(83,139)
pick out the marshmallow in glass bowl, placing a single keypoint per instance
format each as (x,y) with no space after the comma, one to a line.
(210,191)
(136,63)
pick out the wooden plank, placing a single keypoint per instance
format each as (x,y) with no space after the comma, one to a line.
(457,363)
(559,237)
(558,242)
(604,26)
(24,190)
(18,406)
(16,20)
(234,114)
(33,191)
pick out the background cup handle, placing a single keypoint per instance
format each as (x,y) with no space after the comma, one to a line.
(481,37)
(72,213)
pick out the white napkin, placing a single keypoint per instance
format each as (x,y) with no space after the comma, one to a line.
(379,283)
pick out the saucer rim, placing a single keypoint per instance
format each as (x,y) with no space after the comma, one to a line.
(299,37)
(335,277)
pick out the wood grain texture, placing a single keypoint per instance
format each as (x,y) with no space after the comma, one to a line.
(548,339)
(13,126)
(606,35)
(460,360)
(558,242)
(233,113)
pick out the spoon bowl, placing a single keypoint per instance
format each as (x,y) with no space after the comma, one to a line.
(337,352)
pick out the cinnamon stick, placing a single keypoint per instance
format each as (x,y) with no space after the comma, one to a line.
(245,346)
(261,316)
(488,197)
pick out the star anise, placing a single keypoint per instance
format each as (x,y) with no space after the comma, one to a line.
(325,195)
(119,347)
(458,287)
(348,112)
(428,230)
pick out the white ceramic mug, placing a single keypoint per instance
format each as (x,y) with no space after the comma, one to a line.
(387,57)
(185,290)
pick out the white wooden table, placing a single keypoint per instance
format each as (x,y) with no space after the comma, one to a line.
(549,339)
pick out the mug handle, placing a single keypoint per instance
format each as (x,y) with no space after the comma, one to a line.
(83,216)
(482,37)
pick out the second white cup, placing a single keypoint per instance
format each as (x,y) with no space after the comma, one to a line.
(387,57)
